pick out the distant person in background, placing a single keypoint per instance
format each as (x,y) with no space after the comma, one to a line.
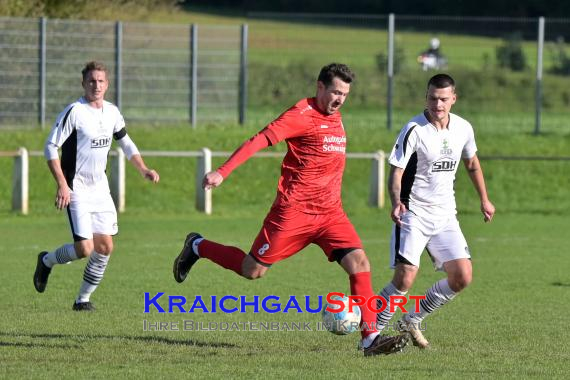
(307,208)
(424,163)
(432,59)
(84,131)
(433,47)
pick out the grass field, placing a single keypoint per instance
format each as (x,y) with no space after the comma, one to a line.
(511,323)
(516,186)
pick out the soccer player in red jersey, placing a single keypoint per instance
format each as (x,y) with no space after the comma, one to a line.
(308,207)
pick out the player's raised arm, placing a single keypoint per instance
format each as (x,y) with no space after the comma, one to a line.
(238,157)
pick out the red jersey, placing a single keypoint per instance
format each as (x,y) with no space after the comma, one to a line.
(311,172)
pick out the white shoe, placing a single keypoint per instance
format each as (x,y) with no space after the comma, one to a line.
(413,328)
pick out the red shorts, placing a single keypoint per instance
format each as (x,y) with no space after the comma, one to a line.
(286,232)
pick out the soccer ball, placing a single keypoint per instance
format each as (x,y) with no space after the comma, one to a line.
(343,322)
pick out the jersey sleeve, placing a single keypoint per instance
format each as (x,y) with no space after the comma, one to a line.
(245,151)
(127,145)
(289,124)
(61,130)
(119,121)
(405,146)
(470,148)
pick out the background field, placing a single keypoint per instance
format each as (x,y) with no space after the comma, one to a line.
(511,323)
(284,54)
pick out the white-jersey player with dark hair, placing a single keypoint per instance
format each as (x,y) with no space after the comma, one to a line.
(424,162)
(84,132)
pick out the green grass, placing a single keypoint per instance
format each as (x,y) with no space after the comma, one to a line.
(284,58)
(515,186)
(510,323)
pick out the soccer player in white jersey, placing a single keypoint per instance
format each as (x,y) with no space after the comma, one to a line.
(84,131)
(424,162)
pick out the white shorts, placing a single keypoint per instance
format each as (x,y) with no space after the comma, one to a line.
(442,239)
(92,212)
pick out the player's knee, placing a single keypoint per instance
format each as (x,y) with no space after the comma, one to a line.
(459,282)
(361,261)
(404,283)
(83,248)
(459,274)
(404,276)
(355,261)
(103,244)
(104,248)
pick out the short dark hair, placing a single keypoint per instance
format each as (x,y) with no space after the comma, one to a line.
(441,81)
(335,70)
(94,65)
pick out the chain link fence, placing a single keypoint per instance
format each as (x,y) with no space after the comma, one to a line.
(495,62)
(509,76)
(158,73)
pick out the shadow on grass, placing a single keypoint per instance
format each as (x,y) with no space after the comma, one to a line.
(146,339)
(36,345)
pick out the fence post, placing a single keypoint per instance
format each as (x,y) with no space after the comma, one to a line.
(20,182)
(42,69)
(193,74)
(243,75)
(390,95)
(538,95)
(377,180)
(118,180)
(203,197)
(119,64)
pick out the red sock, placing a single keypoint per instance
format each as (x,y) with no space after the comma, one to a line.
(223,255)
(361,285)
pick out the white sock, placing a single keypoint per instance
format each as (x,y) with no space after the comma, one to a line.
(436,296)
(366,342)
(195,246)
(62,255)
(92,276)
(383,318)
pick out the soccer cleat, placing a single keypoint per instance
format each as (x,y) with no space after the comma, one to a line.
(41,274)
(415,332)
(183,263)
(386,345)
(83,306)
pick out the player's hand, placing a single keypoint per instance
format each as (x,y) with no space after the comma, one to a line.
(151,175)
(211,180)
(398,210)
(62,197)
(488,211)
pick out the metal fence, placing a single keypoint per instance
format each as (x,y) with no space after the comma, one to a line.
(497,88)
(203,197)
(158,72)
(164,73)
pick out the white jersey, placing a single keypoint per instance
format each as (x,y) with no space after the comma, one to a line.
(430,158)
(84,134)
